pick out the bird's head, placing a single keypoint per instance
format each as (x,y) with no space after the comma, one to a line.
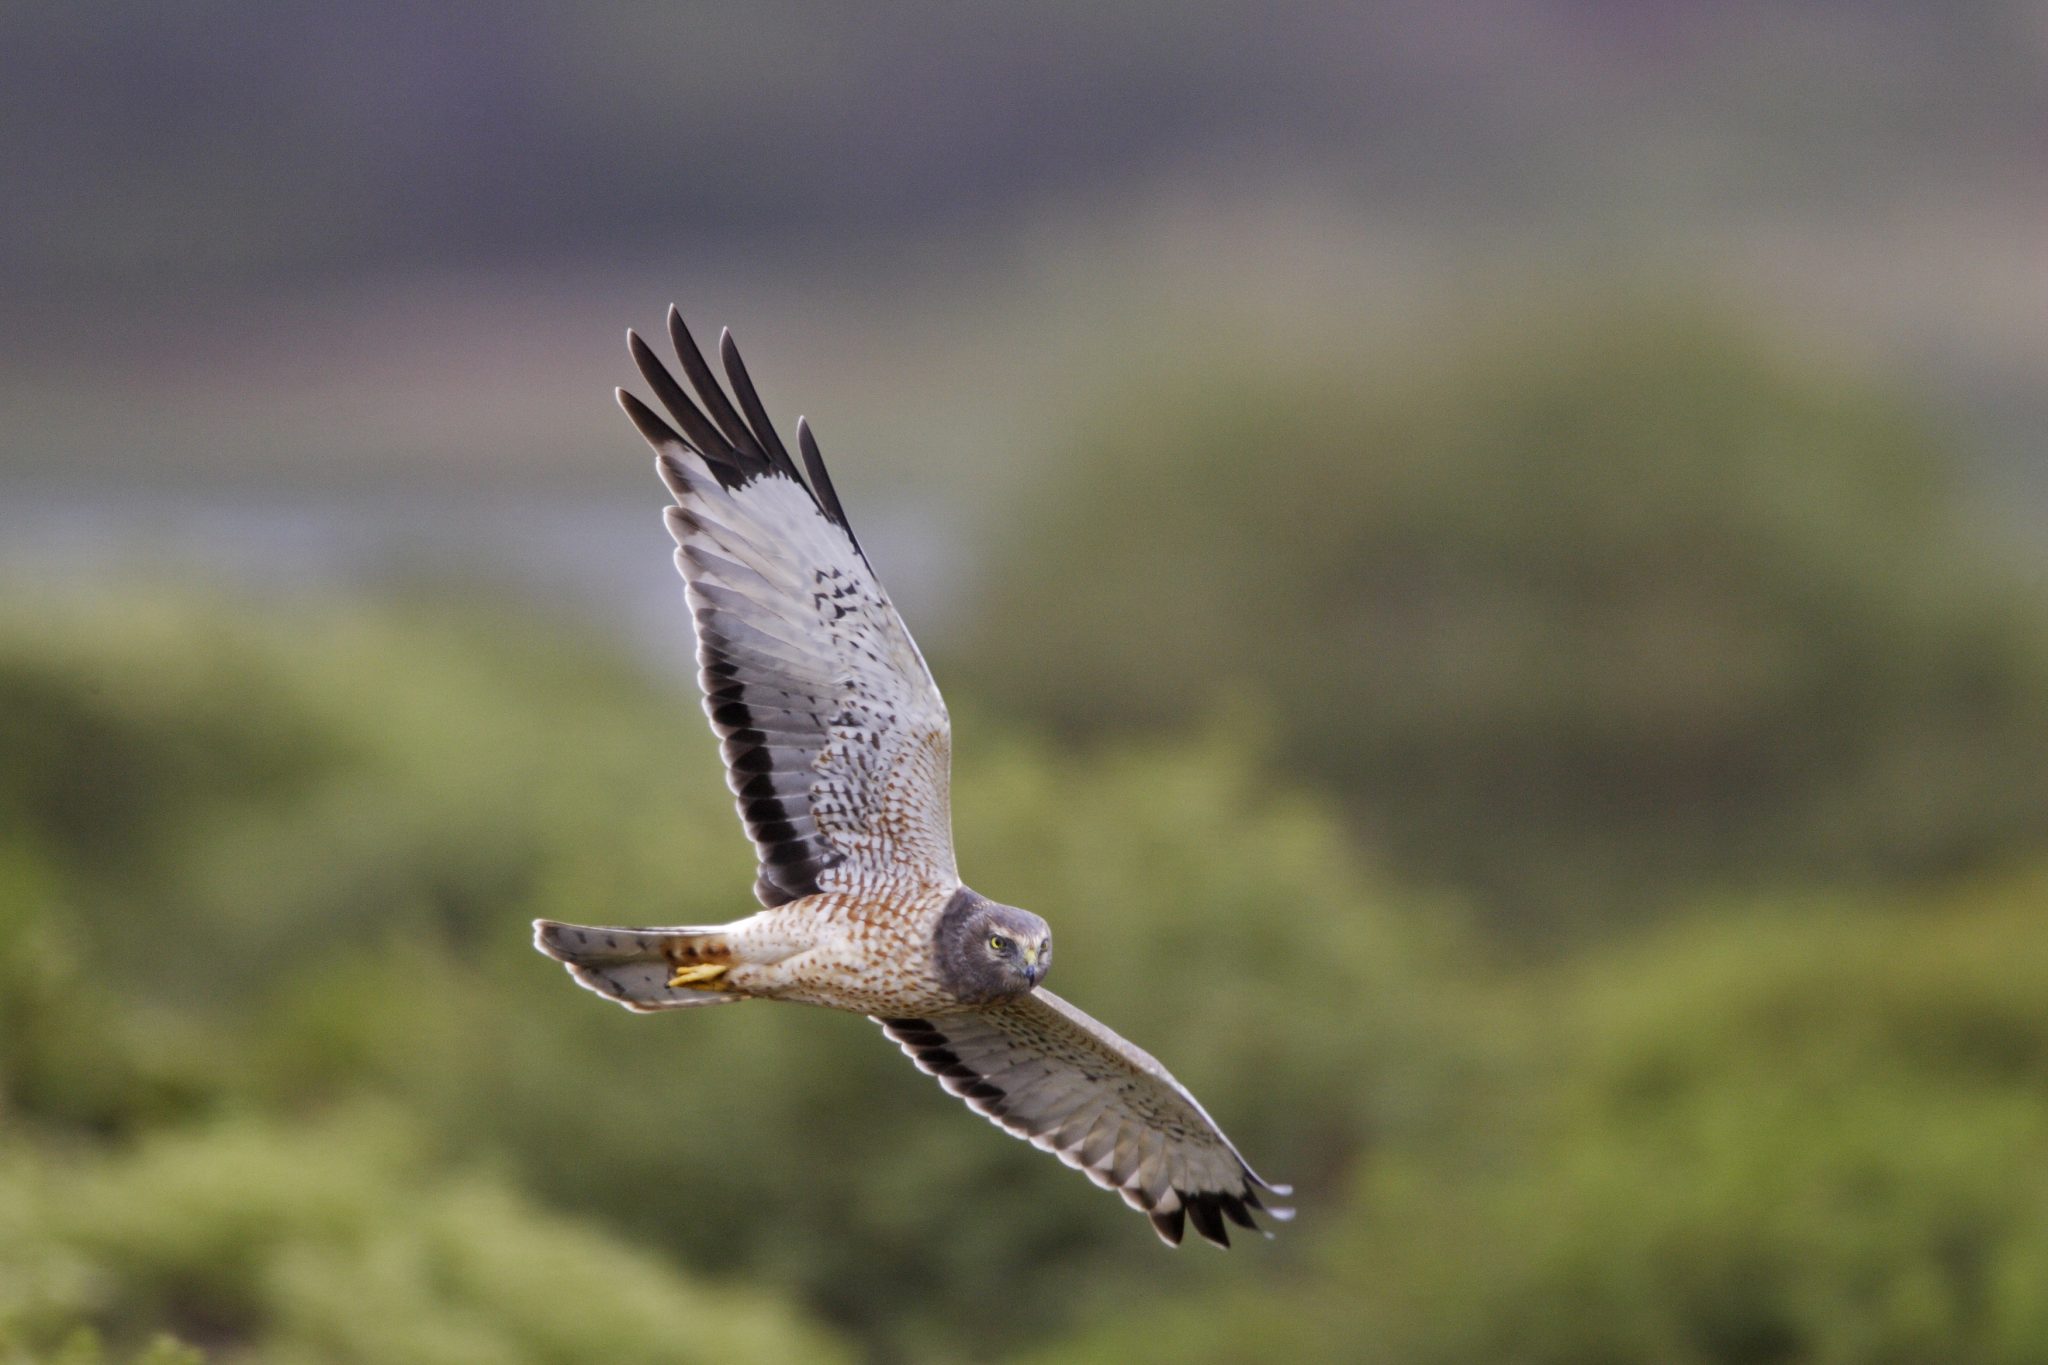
(989,951)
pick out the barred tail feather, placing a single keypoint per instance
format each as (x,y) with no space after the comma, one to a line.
(633,966)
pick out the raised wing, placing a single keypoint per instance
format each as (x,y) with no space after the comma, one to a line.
(1047,1073)
(837,746)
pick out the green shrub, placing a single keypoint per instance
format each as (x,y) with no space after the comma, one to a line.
(285,1079)
(84,1347)
(341,1242)
(74,1051)
(364,933)
(1581,613)
(1806,1136)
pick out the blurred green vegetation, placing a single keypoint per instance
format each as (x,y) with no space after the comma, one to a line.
(341,1241)
(1811,1132)
(281,1078)
(1609,602)
(323,837)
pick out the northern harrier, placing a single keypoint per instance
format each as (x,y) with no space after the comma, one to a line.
(838,750)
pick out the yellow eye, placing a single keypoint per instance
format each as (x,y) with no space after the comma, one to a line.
(997,943)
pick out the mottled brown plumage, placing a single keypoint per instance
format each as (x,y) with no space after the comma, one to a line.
(838,752)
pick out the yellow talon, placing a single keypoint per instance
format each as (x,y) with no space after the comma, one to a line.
(698,977)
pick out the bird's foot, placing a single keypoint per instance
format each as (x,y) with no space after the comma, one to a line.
(698,976)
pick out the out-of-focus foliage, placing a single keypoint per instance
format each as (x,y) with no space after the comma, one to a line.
(83,1346)
(280,1076)
(344,1242)
(334,829)
(1813,1135)
(1582,614)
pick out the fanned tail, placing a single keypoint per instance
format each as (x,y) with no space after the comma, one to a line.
(637,967)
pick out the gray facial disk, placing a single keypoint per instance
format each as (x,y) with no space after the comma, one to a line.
(989,951)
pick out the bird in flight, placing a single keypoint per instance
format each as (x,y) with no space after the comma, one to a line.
(838,751)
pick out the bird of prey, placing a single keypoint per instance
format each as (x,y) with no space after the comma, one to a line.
(838,750)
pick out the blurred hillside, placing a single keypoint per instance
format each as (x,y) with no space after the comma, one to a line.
(279,1077)
(1594,608)
(331,831)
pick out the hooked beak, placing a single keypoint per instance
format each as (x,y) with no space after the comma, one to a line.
(1035,964)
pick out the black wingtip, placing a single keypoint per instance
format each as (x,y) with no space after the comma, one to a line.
(728,422)
(730,465)
(653,430)
(755,411)
(1203,1214)
(821,481)
(649,364)
(737,444)
(1170,1226)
